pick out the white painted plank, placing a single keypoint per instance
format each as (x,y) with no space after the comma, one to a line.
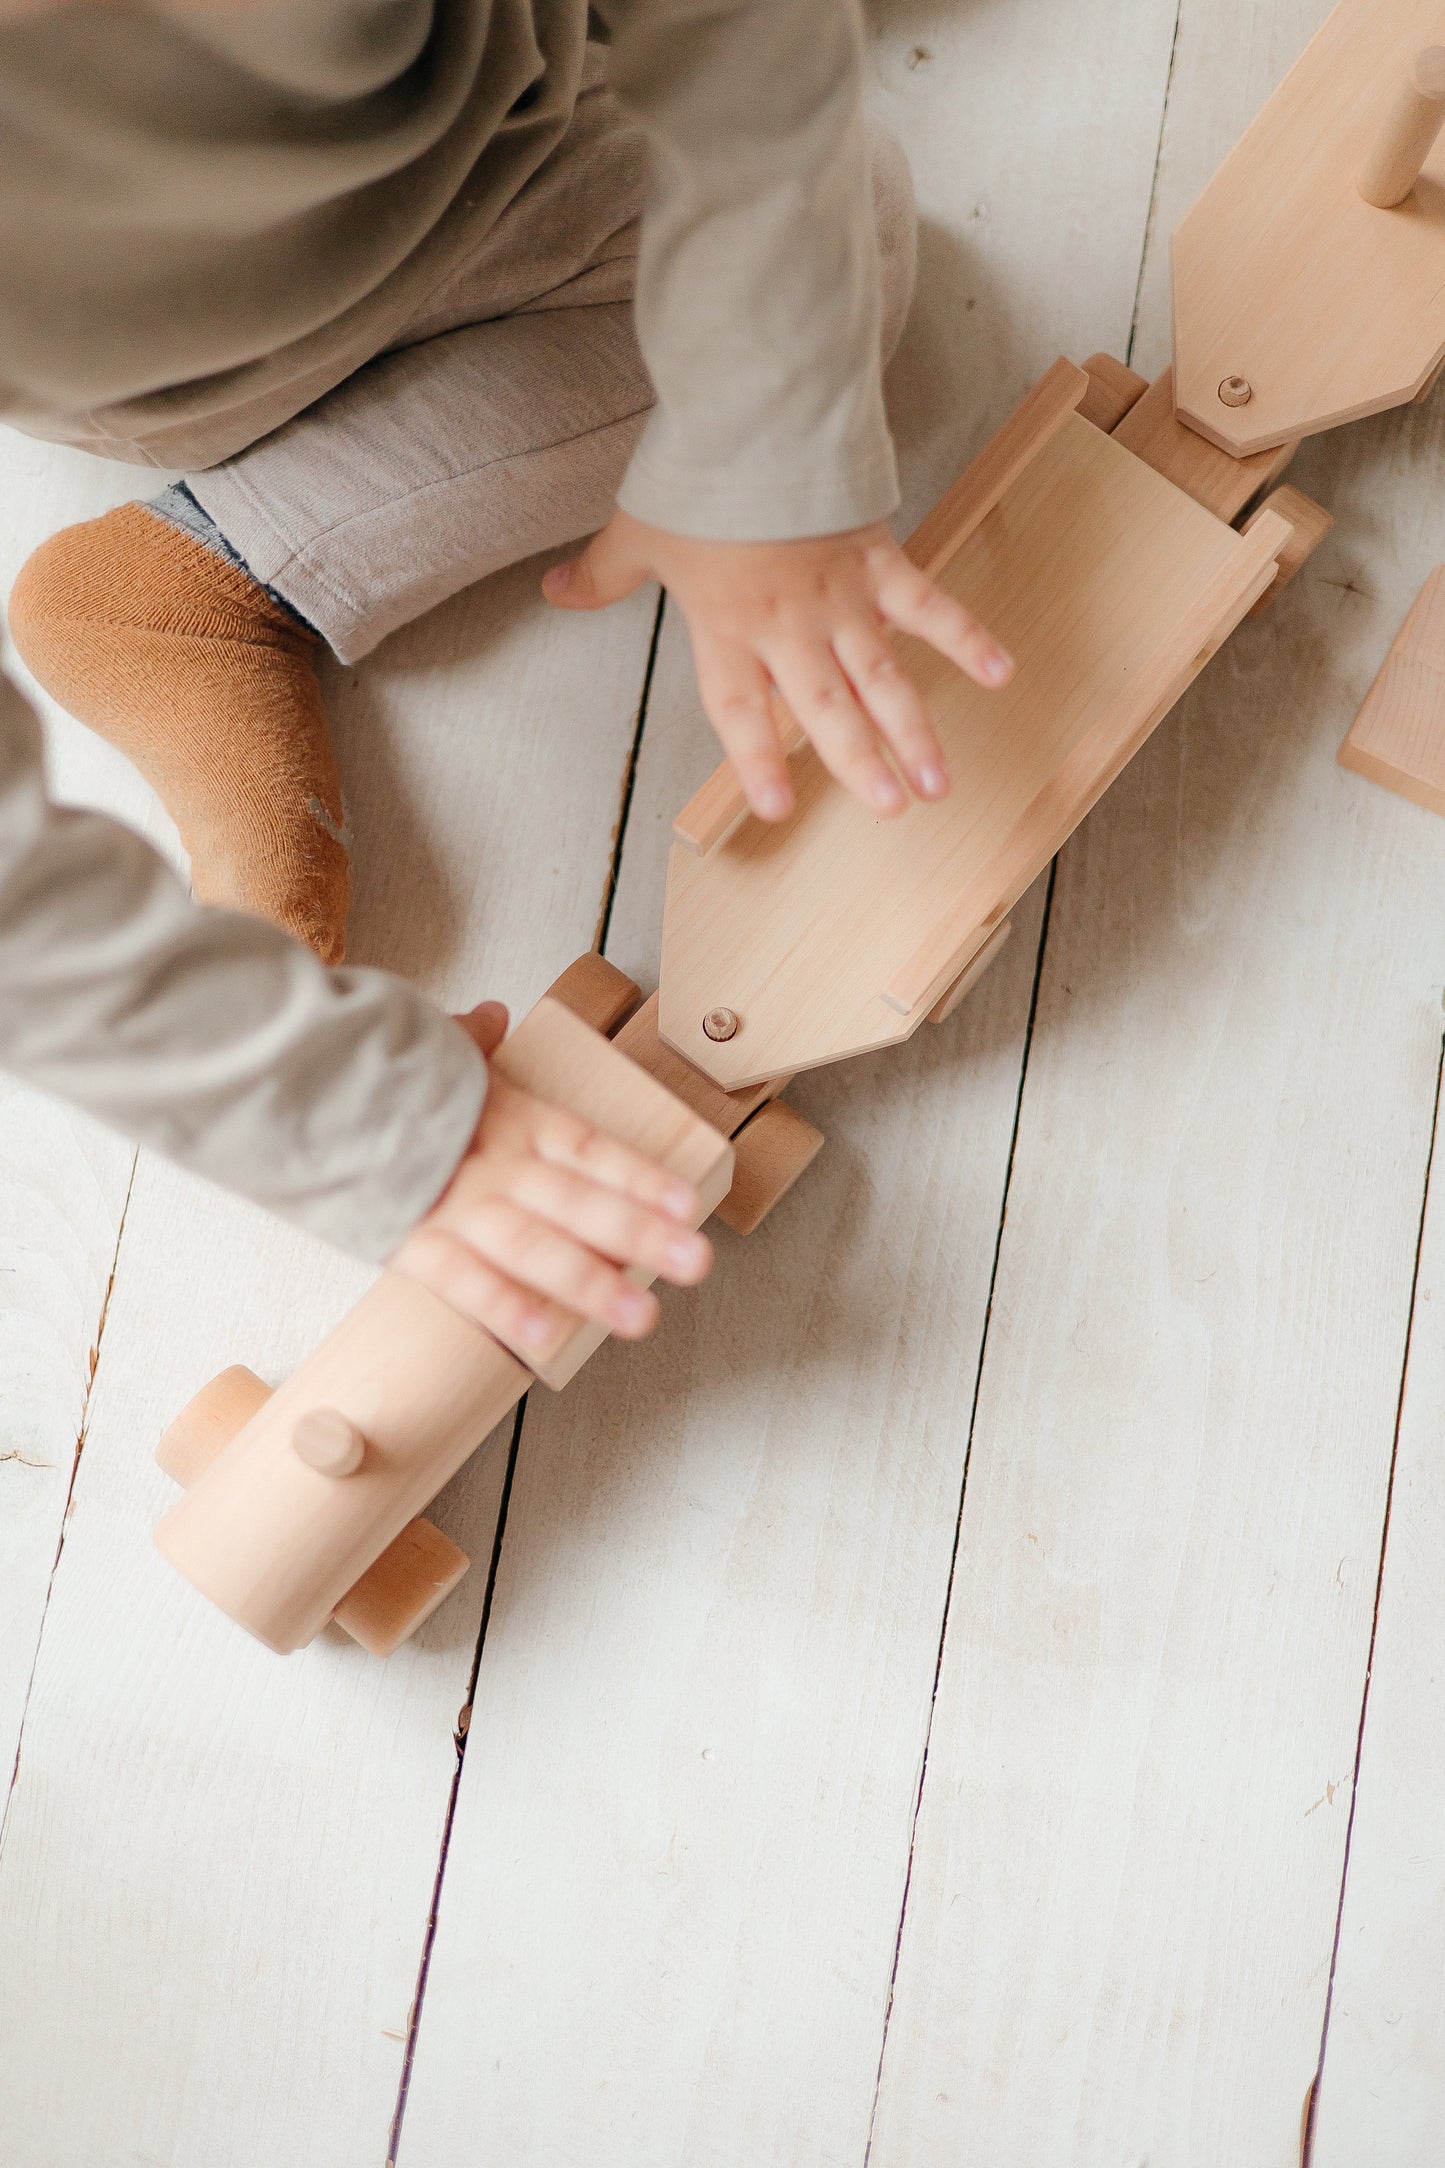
(1382,2090)
(1382,2094)
(1128,1856)
(62,1191)
(675,1879)
(672,1896)
(63,1184)
(218,1867)
(1032,130)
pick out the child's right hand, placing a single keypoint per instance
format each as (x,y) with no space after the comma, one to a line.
(542,1212)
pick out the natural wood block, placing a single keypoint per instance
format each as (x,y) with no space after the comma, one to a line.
(278,1545)
(413,1576)
(727,1111)
(207,1424)
(1285,278)
(1216,479)
(773,1149)
(554,1056)
(833,931)
(1309,523)
(972,972)
(1113,390)
(597,992)
(1398,737)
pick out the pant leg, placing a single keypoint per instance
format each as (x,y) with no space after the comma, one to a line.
(471,449)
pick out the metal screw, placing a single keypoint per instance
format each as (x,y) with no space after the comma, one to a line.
(720,1024)
(1236,391)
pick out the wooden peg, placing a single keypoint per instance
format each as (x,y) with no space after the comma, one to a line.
(1309,524)
(598,992)
(327,1442)
(1112,391)
(773,1149)
(1408,134)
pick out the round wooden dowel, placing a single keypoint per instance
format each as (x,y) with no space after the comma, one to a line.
(325,1440)
(1409,133)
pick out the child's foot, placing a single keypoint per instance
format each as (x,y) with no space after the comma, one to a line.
(208,685)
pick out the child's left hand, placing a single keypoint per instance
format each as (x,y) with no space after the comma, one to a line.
(808,620)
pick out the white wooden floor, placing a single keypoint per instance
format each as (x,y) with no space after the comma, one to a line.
(916,1713)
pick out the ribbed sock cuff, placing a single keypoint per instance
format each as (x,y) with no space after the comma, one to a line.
(179,508)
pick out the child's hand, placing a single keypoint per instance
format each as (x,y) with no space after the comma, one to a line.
(542,1207)
(809,619)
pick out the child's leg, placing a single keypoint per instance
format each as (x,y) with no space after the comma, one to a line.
(431,467)
(208,684)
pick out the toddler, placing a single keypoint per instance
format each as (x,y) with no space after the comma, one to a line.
(408,290)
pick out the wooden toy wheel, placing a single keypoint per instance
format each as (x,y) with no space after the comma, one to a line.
(412,1576)
(598,992)
(207,1424)
(772,1150)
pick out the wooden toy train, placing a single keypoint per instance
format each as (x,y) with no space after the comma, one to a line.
(1113,534)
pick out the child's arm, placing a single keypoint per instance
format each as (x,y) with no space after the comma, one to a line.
(342,1100)
(762,479)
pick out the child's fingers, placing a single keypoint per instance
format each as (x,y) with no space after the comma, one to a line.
(893,700)
(543,1258)
(915,604)
(561,1140)
(452,1269)
(809,679)
(737,697)
(486,1025)
(611,1224)
(607,570)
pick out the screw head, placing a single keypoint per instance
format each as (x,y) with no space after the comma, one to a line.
(1236,391)
(720,1024)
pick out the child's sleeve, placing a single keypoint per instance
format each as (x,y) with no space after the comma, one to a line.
(757,297)
(339,1099)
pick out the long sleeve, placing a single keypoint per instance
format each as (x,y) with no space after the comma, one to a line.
(757,301)
(339,1099)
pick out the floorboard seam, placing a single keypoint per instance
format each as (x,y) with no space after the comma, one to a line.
(1308,2139)
(962,1496)
(1145,251)
(629,785)
(463,1733)
(599,943)
(81,1435)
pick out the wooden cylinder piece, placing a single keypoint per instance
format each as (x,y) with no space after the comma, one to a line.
(1408,134)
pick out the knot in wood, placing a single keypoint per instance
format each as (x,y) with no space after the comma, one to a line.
(720,1024)
(1236,391)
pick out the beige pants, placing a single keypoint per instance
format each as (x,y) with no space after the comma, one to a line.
(501,421)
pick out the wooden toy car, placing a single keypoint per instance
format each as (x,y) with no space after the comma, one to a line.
(1113,534)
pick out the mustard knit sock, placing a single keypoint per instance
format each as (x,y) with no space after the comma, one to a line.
(189,667)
